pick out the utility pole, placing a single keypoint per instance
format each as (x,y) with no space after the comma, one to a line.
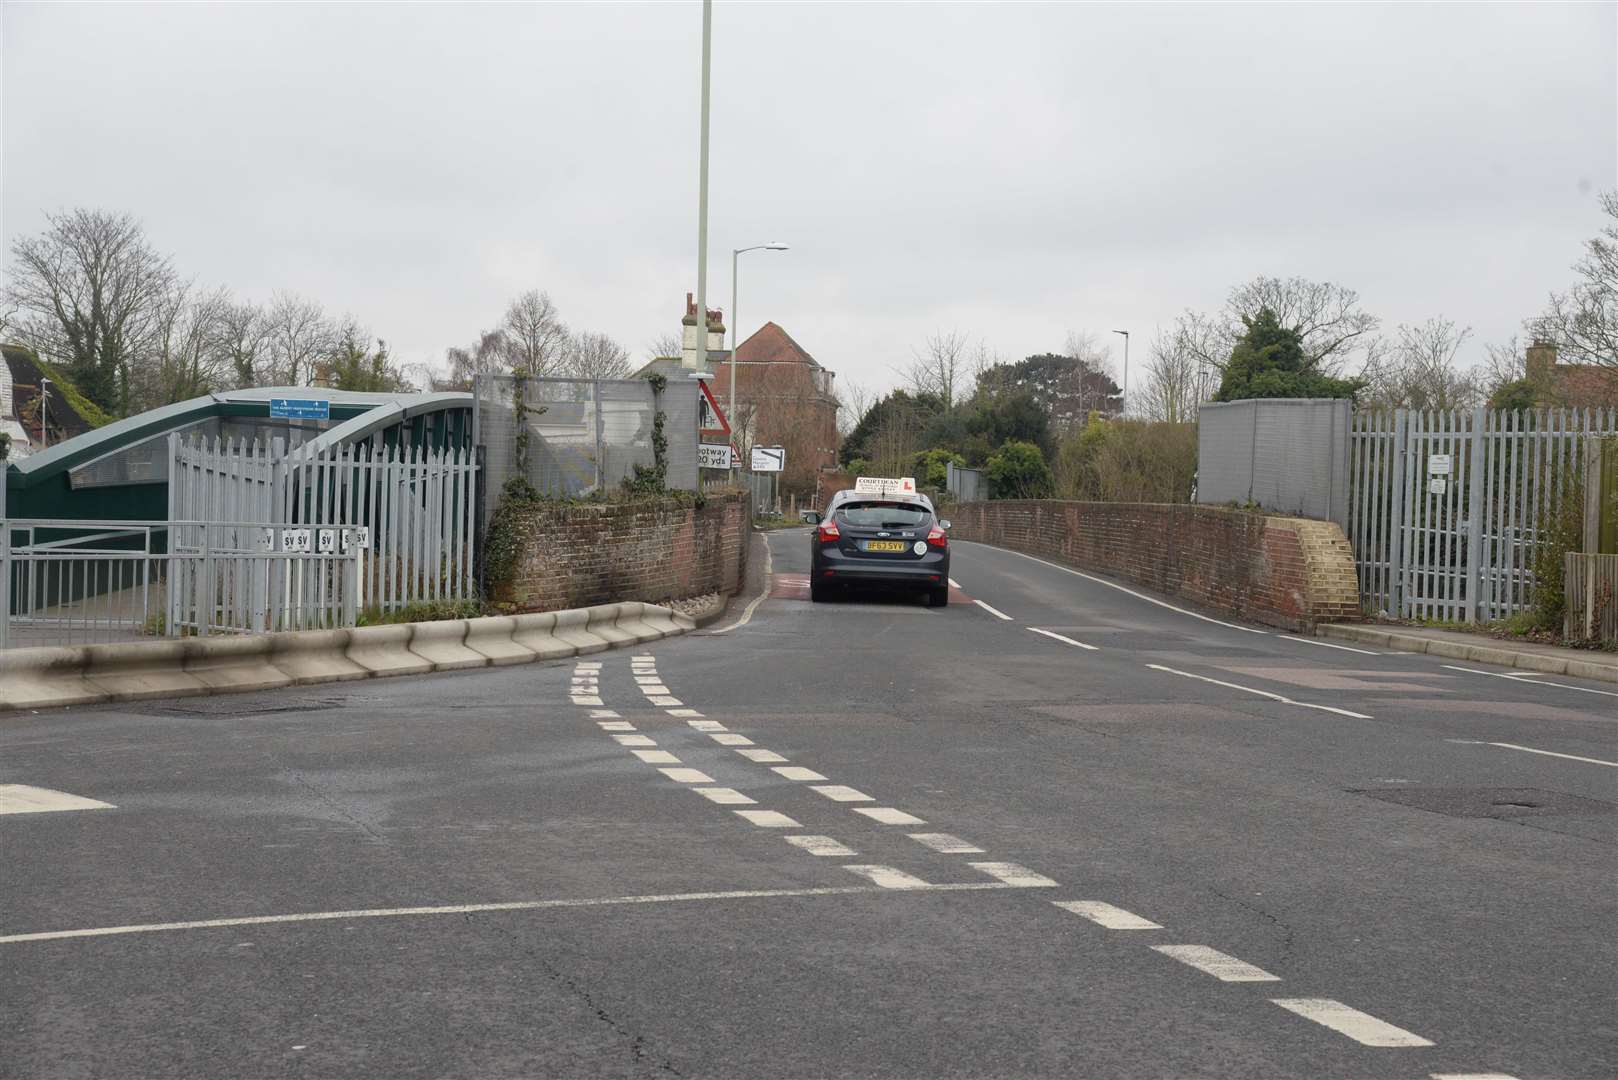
(44,402)
(702,196)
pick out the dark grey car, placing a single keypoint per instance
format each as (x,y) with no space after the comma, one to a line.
(888,541)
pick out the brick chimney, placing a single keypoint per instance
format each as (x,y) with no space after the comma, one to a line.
(1541,361)
(688,332)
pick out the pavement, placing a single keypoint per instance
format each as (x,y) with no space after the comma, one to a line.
(1544,659)
(1061,827)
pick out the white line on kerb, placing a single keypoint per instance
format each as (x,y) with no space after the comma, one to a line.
(1222,966)
(1131,592)
(471,909)
(1531,750)
(1325,644)
(1361,1027)
(1113,918)
(992,611)
(1260,693)
(1531,682)
(1065,640)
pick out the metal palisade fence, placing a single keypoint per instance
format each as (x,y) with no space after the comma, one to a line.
(408,514)
(1448,507)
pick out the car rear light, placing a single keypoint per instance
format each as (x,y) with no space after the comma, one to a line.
(936,537)
(828,531)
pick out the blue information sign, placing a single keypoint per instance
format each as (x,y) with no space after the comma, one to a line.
(300,409)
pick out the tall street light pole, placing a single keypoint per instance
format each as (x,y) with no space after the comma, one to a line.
(1125,407)
(44,404)
(735,322)
(702,196)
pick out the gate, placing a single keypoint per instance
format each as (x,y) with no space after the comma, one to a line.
(1447,507)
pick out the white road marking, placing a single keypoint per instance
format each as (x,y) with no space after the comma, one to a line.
(769,819)
(1533,681)
(1066,640)
(1361,1027)
(655,688)
(634,740)
(23,799)
(648,680)
(1471,1076)
(760,755)
(725,738)
(887,815)
(820,845)
(687,776)
(887,877)
(1531,750)
(661,702)
(656,757)
(682,712)
(954,584)
(587,665)
(841,793)
(724,796)
(1220,965)
(1131,592)
(615,725)
(945,843)
(644,657)
(707,725)
(796,772)
(1113,918)
(752,605)
(992,611)
(1325,644)
(601,713)
(584,699)
(472,909)
(1012,874)
(1260,693)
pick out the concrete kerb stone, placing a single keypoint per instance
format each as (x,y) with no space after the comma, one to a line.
(385,650)
(492,637)
(1479,654)
(632,620)
(571,627)
(233,663)
(536,632)
(603,623)
(139,670)
(41,678)
(314,656)
(661,619)
(444,643)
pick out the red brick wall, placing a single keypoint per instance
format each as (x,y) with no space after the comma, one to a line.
(1275,570)
(578,554)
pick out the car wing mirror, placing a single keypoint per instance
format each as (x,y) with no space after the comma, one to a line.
(943,523)
(811,517)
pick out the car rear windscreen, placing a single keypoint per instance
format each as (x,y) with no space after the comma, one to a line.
(884,515)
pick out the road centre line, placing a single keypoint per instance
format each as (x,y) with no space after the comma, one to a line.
(706,725)
(1531,750)
(1103,914)
(661,702)
(1471,1076)
(1361,1027)
(992,611)
(1013,874)
(634,740)
(954,584)
(682,713)
(727,738)
(887,815)
(598,714)
(840,793)
(1261,693)
(760,755)
(656,757)
(724,796)
(656,689)
(1131,592)
(1220,965)
(687,776)
(1532,682)
(1059,637)
(796,772)
(615,725)
(472,909)
(945,844)
(887,877)
(583,699)
(1324,644)
(769,819)
(25,799)
(820,845)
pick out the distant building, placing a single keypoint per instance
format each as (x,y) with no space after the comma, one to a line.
(784,397)
(20,379)
(1573,385)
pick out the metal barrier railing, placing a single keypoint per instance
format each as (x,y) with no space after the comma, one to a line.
(78,582)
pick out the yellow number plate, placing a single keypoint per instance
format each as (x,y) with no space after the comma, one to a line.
(885,545)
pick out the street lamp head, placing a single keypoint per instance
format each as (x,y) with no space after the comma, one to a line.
(776,246)
(1123,332)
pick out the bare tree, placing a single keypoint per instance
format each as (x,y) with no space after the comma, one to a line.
(297,334)
(664,345)
(1172,389)
(943,366)
(595,356)
(1583,322)
(853,400)
(488,355)
(1327,316)
(182,358)
(240,332)
(534,333)
(91,287)
(1420,369)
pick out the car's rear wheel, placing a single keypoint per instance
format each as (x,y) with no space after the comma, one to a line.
(938,597)
(817,593)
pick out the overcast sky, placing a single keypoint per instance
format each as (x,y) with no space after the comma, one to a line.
(1011,171)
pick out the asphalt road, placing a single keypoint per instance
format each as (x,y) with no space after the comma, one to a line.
(1347,863)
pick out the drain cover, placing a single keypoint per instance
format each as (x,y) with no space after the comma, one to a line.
(1490,802)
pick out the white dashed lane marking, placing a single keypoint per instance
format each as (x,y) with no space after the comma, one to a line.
(687,776)
(1012,874)
(759,754)
(23,799)
(841,793)
(597,714)
(821,845)
(649,680)
(1221,966)
(655,688)
(723,795)
(887,877)
(796,772)
(1260,693)
(887,815)
(1361,1027)
(615,725)
(769,819)
(1471,1076)
(683,712)
(634,740)
(729,739)
(992,611)
(945,843)
(656,757)
(706,725)
(1113,918)
(582,699)
(1064,640)
(662,702)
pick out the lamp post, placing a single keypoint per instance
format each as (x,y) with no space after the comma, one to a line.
(702,196)
(735,323)
(44,401)
(1125,408)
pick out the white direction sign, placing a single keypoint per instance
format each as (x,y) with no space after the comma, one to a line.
(713,456)
(768,459)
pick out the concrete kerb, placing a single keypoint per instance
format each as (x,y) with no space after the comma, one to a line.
(385,650)
(40,678)
(233,663)
(632,621)
(314,656)
(536,632)
(1502,655)
(140,670)
(662,620)
(603,623)
(571,627)
(491,637)
(444,643)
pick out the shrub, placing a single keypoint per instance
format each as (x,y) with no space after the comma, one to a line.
(1018,471)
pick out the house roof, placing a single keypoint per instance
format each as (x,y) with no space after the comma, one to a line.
(771,344)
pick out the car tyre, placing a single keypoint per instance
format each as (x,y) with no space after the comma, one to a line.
(938,597)
(818,593)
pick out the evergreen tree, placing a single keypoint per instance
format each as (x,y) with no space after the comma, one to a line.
(1269,362)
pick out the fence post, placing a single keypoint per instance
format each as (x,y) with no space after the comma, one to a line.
(5,563)
(1474,514)
(1396,545)
(480,492)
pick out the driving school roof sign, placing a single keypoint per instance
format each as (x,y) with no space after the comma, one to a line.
(882,485)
